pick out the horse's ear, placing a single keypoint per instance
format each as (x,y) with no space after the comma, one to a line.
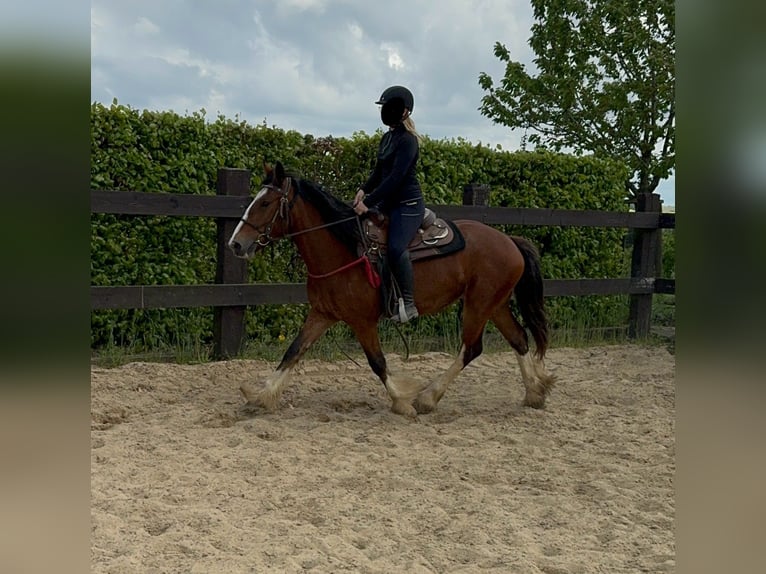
(267,168)
(280,171)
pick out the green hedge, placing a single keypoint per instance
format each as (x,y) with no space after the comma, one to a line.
(164,152)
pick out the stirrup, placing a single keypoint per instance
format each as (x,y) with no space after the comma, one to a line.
(405,314)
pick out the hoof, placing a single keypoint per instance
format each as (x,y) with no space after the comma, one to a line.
(424,404)
(404,388)
(404,408)
(534,400)
(247,391)
(538,391)
(256,399)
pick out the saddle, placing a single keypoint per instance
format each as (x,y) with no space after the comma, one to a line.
(435,237)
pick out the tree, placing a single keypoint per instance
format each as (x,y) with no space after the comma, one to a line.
(605,84)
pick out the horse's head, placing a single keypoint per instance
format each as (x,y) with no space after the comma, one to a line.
(267,216)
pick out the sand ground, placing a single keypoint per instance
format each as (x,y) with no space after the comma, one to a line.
(183,479)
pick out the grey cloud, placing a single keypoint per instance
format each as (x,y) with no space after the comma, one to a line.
(299,64)
(315,66)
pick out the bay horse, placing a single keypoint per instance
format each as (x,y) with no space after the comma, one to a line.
(485,274)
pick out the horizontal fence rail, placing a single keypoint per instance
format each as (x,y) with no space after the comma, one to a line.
(175,296)
(230,295)
(141,203)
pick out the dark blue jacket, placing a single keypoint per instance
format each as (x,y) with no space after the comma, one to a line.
(393,180)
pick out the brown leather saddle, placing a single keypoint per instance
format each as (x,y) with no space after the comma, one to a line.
(435,237)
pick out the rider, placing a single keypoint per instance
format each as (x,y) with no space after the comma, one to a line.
(393,189)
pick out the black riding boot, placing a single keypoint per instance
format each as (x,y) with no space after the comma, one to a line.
(402,271)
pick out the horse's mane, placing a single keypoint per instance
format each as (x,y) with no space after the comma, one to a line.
(331,209)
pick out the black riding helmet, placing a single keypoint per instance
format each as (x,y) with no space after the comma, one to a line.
(394,100)
(398,92)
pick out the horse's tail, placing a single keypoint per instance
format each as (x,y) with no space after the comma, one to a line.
(529,295)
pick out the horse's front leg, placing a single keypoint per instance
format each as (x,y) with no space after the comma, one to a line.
(402,390)
(268,396)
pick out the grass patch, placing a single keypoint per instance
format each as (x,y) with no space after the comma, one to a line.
(113,355)
(441,333)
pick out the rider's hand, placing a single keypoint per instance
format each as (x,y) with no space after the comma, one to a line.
(359,207)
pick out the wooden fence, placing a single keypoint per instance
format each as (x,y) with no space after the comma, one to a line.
(231,293)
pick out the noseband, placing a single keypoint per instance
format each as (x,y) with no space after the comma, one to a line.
(285,205)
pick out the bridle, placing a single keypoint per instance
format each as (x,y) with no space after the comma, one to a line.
(285,206)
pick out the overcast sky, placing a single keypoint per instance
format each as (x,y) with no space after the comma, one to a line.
(314,66)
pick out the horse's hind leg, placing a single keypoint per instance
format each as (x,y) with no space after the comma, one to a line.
(268,396)
(474,322)
(401,390)
(537,382)
(432,394)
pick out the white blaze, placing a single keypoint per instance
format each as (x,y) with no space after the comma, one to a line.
(246,215)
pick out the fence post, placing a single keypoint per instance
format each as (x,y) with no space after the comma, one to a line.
(476,194)
(229,322)
(646,247)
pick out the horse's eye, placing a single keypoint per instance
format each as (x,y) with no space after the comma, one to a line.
(265,203)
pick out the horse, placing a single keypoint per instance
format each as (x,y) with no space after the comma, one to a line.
(485,274)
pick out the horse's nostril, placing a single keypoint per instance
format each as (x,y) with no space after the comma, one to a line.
(235,246)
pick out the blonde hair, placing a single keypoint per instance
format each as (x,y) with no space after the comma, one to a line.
(409,125)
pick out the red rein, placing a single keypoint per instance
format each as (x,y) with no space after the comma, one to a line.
(372,275)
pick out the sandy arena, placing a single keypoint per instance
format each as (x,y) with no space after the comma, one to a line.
(183,479)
